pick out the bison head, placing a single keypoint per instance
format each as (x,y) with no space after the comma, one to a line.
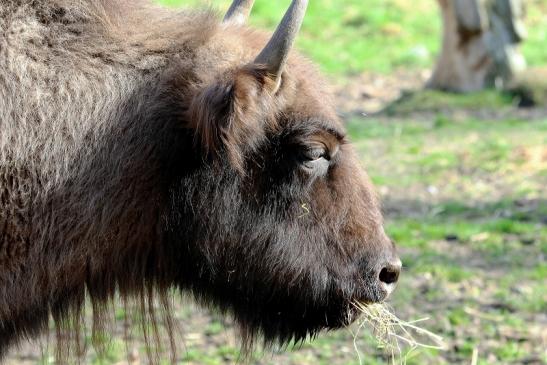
(276,223)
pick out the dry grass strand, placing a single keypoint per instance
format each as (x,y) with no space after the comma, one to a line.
(396,336)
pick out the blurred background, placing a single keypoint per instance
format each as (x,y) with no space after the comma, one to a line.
(446,102)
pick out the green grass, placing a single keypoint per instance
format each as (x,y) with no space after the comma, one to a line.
(351,36)
(534,47)
(440,154)
(476,242)
(438,101)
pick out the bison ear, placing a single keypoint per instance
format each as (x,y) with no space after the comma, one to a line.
(230,116)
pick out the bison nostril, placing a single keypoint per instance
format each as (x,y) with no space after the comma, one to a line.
(390,274)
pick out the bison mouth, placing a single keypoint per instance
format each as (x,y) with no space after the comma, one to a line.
(285,320)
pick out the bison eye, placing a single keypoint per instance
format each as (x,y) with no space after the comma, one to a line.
(313,154)
(315,160)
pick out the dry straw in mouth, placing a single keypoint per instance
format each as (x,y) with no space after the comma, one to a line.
(394,334)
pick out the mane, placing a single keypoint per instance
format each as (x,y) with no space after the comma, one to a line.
(69,60)
(125,30)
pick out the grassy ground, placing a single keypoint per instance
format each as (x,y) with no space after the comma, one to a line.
(465,200)
(351,36)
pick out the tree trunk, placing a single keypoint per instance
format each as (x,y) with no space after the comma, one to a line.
(480,44)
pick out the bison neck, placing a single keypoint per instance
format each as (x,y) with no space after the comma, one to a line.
(88,144)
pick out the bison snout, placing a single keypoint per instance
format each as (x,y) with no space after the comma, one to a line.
(388,275)
(380,278)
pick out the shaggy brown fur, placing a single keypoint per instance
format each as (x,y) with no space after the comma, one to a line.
(141,150)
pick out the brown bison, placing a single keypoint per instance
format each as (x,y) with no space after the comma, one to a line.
(143,150)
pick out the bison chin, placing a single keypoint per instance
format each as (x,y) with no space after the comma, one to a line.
(273,309)
(277,318)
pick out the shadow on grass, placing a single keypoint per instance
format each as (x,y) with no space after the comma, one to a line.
(525,99)
(518,210)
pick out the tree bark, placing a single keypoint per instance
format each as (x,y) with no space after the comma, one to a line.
(480,46)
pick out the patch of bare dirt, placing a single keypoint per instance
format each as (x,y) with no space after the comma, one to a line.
(369,93)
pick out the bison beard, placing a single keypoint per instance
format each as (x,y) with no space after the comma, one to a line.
(142,151)
(251,260)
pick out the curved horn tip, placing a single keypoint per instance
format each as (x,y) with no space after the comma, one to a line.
(275,53)
(238,12)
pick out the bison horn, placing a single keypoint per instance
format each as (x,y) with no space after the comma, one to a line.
(275,53)
(238,12)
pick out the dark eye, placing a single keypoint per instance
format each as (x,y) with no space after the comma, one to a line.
(315,160)
(315,153)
